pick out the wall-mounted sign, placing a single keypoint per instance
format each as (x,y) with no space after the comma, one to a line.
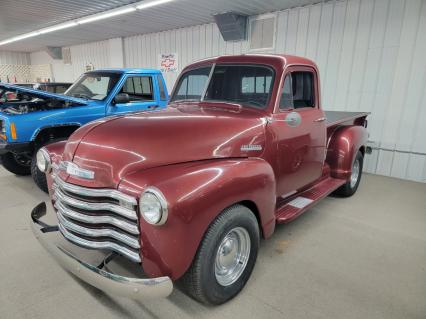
(168,62)
(90,67)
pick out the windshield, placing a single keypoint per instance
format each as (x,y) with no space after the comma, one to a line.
(192,85)
(249,85)
(93,86)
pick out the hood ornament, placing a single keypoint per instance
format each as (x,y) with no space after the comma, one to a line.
(74,170)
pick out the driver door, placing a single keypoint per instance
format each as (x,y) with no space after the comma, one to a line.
(140,90)
(299,127)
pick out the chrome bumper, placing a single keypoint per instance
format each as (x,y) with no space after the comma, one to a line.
(134,288)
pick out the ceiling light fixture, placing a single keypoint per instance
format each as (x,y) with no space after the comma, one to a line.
(149,4)
(106,15)
(58,27)
(92,18)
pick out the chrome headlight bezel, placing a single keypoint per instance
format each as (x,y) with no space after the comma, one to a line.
(44,162)
(152,193)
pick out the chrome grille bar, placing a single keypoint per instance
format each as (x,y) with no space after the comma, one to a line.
(131,214)
(102,232)
(99,244)
(92,192)
(97,219)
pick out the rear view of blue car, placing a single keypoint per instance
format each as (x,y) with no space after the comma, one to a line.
(40,118)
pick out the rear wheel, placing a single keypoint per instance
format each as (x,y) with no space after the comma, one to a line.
(352,184)
(225,258)
(17,164)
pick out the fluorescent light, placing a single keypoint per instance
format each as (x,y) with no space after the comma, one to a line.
(148,4)
(106,15)
(20,37)
(58,27)
(95,17)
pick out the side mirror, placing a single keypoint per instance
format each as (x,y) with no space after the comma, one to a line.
(121,98)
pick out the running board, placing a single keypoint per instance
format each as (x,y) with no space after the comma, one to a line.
(299,203)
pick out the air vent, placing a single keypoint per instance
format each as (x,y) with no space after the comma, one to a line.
(262,33)
(231,25)
(66,55)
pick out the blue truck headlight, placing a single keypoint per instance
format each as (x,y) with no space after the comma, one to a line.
(153,206)
(44,162)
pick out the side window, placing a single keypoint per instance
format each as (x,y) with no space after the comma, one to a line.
(163,96)
(298,90)
(139,88)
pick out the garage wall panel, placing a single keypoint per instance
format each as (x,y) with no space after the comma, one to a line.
(7,57)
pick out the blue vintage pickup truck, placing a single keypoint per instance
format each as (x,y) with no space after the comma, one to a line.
(40,118)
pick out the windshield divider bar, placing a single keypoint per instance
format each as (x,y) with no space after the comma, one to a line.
(203,95)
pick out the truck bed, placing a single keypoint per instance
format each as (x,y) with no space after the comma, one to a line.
(339,117)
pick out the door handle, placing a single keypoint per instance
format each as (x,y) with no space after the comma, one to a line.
(151,107)
(321,119)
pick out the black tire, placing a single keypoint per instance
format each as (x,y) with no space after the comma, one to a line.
(38,176)
(349,188)
(200,280)
(12,164)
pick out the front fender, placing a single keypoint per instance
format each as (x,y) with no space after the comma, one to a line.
(196,193)
(342,149)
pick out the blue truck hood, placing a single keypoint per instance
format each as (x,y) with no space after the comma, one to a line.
(42,94)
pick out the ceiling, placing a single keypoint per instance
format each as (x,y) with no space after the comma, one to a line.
(22,16)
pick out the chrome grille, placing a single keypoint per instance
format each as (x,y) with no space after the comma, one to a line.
(97,218)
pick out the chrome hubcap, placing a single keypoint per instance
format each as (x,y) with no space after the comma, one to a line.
(355,173)
(232,256)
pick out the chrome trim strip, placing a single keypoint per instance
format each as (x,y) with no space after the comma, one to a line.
(93,192)
(99,219)
(95,206)
(101,232)
(99,245)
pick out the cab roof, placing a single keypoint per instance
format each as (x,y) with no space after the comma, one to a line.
(279,61)
(127,70)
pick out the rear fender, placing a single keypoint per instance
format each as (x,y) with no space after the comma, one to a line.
(343,146)
(196,193)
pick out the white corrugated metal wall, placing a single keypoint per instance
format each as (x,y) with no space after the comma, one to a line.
(370,54)
(14,58)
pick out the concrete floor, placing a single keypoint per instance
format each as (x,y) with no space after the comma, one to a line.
(362,257)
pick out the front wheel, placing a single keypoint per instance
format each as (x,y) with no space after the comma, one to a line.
(16,163)
(225,258)
(38,176)
(352,184)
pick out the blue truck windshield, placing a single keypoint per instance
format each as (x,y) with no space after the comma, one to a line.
(93,86)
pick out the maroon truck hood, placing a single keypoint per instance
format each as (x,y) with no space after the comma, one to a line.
(120,146)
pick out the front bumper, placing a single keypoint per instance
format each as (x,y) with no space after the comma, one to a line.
(134,288)
(17,148)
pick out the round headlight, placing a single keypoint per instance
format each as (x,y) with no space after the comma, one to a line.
(43,160)
(153,207)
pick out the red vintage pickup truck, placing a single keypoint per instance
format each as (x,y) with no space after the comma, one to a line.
(186,193)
